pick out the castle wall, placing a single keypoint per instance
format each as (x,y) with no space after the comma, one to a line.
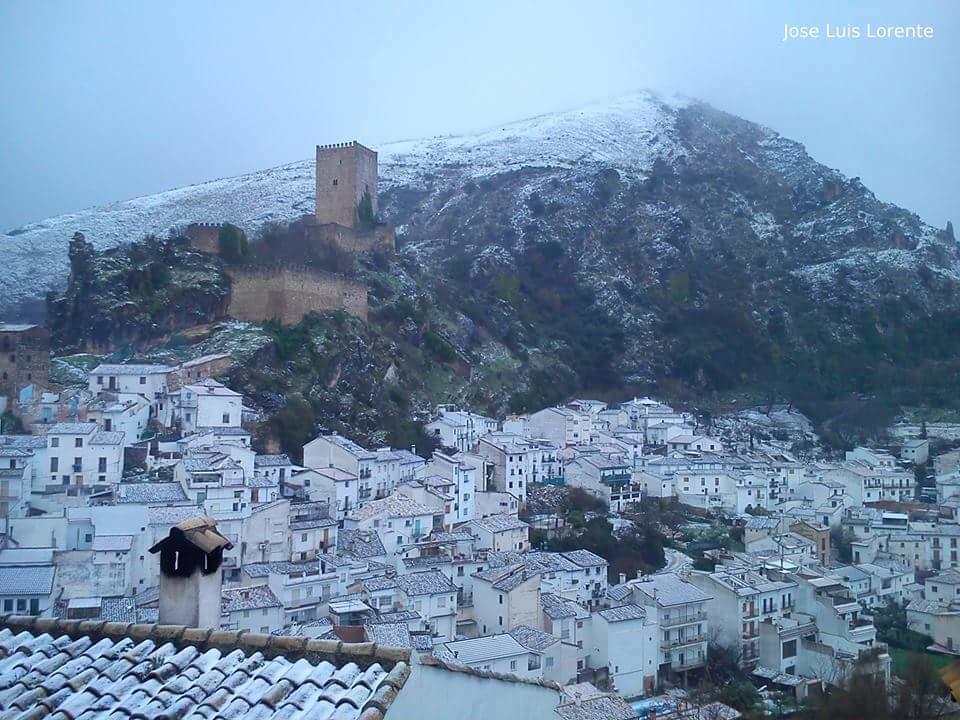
(287,294)
(24,358)
(345,171)
(204,237)
(352,240)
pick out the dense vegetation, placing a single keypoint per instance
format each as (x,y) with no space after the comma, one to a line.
(134,294)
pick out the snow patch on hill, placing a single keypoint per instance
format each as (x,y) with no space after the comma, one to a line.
(628,133)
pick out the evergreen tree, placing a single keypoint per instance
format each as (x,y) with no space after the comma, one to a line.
(365,210)
(232,243)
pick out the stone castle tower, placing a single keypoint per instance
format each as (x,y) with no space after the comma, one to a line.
(345,173)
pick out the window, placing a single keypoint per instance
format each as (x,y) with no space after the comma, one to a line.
(102,466)
(501,599)
(54,464)
(549,662)
(500,619)
(99,379)
(226,418)
(55,442)
(335,182)
(78,442)
(513,664)
(790,649)
(143,380)
(8,605)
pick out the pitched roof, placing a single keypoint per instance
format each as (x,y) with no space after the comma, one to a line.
(392,506)
(532,638)
(430,582)
(145,493)
(360,543)
(601,707)
(487,647)
(280,460)
(499,523)
(98,670)
(669,589)
(623,613)
(27,580)
(256,597)
(131,369)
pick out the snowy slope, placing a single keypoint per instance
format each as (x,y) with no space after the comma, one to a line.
(628,133)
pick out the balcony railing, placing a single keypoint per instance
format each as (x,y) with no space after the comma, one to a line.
(683,619)
(689,640)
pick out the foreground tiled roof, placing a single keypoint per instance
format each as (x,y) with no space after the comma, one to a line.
(68,669)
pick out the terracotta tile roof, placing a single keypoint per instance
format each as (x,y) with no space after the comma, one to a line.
(69,669)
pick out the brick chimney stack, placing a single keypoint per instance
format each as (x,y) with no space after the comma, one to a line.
(190,578)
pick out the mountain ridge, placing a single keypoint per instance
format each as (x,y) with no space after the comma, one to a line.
(628,133)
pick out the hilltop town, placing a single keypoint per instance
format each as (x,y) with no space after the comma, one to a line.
(623,559)
(476,559)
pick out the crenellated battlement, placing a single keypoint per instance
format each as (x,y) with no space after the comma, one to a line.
(343,145)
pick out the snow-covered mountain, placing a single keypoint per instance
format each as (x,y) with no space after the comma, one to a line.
(628,134)
(635,242)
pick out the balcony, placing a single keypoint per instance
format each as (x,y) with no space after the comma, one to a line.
(673,621)
(680,642)
(687,663)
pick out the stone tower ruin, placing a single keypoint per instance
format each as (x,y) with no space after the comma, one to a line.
(345,173)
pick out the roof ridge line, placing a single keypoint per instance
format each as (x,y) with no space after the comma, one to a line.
(393,659)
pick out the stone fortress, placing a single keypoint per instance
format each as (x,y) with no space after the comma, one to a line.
(345,220)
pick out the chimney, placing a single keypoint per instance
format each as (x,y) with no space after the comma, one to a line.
(623,578)
(190,578)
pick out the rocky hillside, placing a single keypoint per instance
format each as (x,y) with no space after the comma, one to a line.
(645,242)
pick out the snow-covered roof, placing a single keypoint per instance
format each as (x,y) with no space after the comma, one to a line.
(669,589)
(623,613)
(27,580)
(429,582)
(392,506)
(498,523)
(485,648)
(256,597)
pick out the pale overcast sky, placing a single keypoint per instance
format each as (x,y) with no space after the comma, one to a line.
(106,100)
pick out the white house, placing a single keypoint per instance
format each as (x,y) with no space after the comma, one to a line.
(124,413)
(27,581)
(680,609)
(208,405)
(459,429)
(561,426)
(499,653)
(916,451)
(626,642)
(399,520)
(505,597)
(254,608)
(81,456)
(740,599)
(500,532)
(148,381)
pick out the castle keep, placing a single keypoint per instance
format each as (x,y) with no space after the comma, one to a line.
(344,222)
(346,173)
